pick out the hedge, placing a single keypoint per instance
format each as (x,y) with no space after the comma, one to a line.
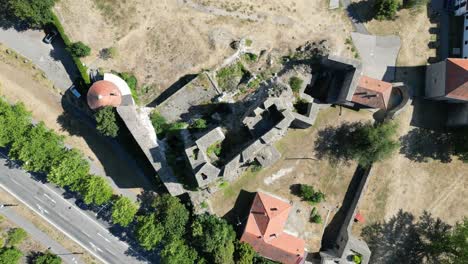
(81,68)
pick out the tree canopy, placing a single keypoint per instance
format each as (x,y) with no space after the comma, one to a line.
(39,148)
(363,142)
(215,237)
(148,232)
(10,255)
(176,251)
(14,121)
(79,49)
(107,122)
(69,170)
(95,190)
(34,13)
(172,214)
(16,236)
(47,258)
(123,211)
(244,253)
(386,9)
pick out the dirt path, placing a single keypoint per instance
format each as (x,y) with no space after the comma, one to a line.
(20,82)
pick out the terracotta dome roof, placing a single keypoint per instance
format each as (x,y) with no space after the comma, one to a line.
(104,93)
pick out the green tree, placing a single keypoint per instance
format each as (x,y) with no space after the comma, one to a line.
(148,232)
(15,120)
(79,49)
(215,237)
(35,13)
(455,244)
(47,258)
(244,253)
(198,123)
(16,236)
(107,122)
(39,148)
(69,170)
(296,84)
(123,211)
(308,193)
(386,9)
(95,190)
(172,214)
(10,255)
(176,251)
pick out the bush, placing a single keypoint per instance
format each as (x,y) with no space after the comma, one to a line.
(16,236)
(79,49)
(10,255)
(307,193)
(108,53)
(199,123)
(132,83)
(228,77)
(315,217)
(250,57)
(214,149)
(296,84)
(106,122)
(248,42)
(357,259)
(47,258)
(414,3)
(386,9)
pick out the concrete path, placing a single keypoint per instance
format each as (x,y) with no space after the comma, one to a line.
(40,236)
(82,227)
(378,54)
(52,59)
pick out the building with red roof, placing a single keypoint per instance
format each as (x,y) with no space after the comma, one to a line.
(264,231)
(372,93)
(448,80)
(103,93)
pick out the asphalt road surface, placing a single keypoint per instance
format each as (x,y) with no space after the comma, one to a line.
(53,59)
(46,201)
(41,237)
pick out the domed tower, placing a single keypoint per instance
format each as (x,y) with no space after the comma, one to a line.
(104,93)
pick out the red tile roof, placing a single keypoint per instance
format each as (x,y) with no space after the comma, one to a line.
(372,92)
(264,231)
(456,84)
(103,93)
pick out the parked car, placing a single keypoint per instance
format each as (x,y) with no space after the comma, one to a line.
(75,92)
(50,36)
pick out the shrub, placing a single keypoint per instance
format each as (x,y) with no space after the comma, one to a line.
(132,82)
(248,42)
(357,259)
(199,123)
(315,216)
(159,123)
(108,53)
(307,193)
(250,57)
(228,77)
(16,236)
(106,122)
(296,84)
(47,258)
(79,49)
(10,255)
(414,3)
(386,9)
(214,149)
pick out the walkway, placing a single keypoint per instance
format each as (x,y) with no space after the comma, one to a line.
(54,60)
(353,16)
(40,236)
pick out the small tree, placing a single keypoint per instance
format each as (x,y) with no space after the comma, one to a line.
(172,214)
(69,170)
(244,253)
(107,122)
(307,193)
(386,9)
(198,123)
(148,232)
(176,251)
(10,255)
(16,236)
(47,258)
(79,49)
(95,190)
(296,84)
(123,211)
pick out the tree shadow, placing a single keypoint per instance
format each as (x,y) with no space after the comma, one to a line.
(333,143)
(422,144)
(362,11)
(401,239)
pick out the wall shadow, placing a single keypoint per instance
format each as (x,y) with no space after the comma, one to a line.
(60,53)
(362,11)
(171,90)
(239,214)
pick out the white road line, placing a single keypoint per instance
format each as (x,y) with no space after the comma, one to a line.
(53,224)
(95,247)
(48,197)
(85,233)
(42,209)
(13,180)
(103,237)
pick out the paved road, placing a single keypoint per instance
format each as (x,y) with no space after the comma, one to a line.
(40,236)
(46,201)
(29,44)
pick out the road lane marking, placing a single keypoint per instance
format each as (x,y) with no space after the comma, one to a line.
(103,237)
(54,225)
(48,197)
(13,180)
(86,233)
(95,247)
(43,211)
